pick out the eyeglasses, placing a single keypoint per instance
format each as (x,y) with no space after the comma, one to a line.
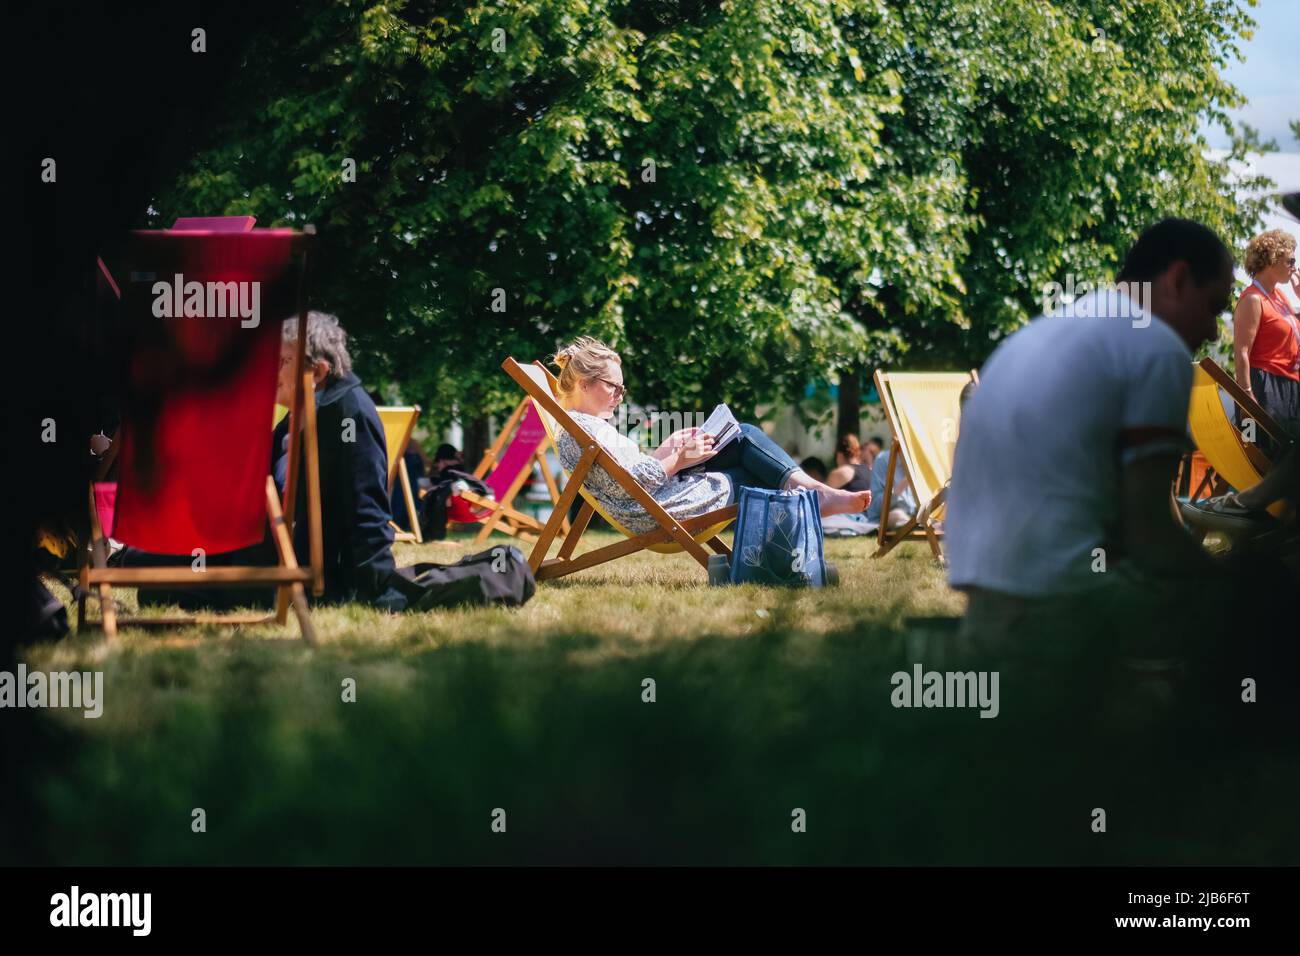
(619,390)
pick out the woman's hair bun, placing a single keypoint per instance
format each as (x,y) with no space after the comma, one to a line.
(584,358)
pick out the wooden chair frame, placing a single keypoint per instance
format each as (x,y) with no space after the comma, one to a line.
(502,514)
(671,535)
(1253,410)
(921,526)
(286,574)
(1212,483)
(399,473)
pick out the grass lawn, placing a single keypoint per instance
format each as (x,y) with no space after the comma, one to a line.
(766,701)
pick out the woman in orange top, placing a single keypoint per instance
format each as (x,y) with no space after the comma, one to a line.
(1266,333)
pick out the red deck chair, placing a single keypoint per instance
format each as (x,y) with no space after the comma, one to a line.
(528,443)
(196,421)
(106,491)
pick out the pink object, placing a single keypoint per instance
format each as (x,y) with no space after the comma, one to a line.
(216,223)
(105,505)
(519,455)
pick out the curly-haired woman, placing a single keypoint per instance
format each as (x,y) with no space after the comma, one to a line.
(1266,333)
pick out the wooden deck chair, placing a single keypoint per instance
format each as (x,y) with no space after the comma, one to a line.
(195,443)
(399,424)
(671,536)
(923,409)
(1233,462)
(505,468)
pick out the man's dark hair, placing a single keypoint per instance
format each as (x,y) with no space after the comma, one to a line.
(877,439)
(1175,240)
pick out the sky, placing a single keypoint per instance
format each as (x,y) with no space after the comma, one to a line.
(1268,74)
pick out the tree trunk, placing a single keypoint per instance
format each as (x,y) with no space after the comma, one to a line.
(848,414)
(476,441)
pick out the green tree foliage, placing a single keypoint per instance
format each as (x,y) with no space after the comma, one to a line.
(741,196)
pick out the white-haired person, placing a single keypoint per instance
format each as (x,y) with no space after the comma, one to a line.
(353,456)
(591,388)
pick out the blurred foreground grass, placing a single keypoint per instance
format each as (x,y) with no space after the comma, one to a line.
(767,701)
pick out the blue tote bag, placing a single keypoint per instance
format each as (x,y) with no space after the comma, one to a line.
(779,540)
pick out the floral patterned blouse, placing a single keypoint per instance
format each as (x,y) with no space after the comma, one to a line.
(682,495)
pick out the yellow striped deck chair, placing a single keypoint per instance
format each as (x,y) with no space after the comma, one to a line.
(670,537)
(1232,460)
(923,409)
(399,424)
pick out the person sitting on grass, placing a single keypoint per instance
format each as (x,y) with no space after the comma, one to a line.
(850,473)
(902,498)
(871,450)
(591,387)
(357,538)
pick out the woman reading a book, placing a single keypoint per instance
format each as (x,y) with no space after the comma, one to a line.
(591,388)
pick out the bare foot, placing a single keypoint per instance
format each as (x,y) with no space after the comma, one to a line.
(836,501)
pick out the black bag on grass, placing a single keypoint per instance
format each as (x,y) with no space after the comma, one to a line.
(496,576)
(433,507)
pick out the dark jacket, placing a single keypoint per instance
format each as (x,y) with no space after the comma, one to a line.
(357,539)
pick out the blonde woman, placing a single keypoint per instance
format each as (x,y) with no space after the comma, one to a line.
(1265,332)
(591,388)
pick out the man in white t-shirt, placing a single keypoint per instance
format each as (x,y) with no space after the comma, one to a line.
(1070,443)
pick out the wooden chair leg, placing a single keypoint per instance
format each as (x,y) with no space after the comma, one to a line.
(719,546)
(575,532)
(493,520)
(412,515)
(892,538)
(551,487)
(83,560)
(882,533)
(99,558)
(562,507)
(934,542)
(304,616)
(280,534)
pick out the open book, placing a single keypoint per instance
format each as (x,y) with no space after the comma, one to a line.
(722,425)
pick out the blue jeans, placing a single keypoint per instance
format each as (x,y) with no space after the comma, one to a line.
(751,460)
